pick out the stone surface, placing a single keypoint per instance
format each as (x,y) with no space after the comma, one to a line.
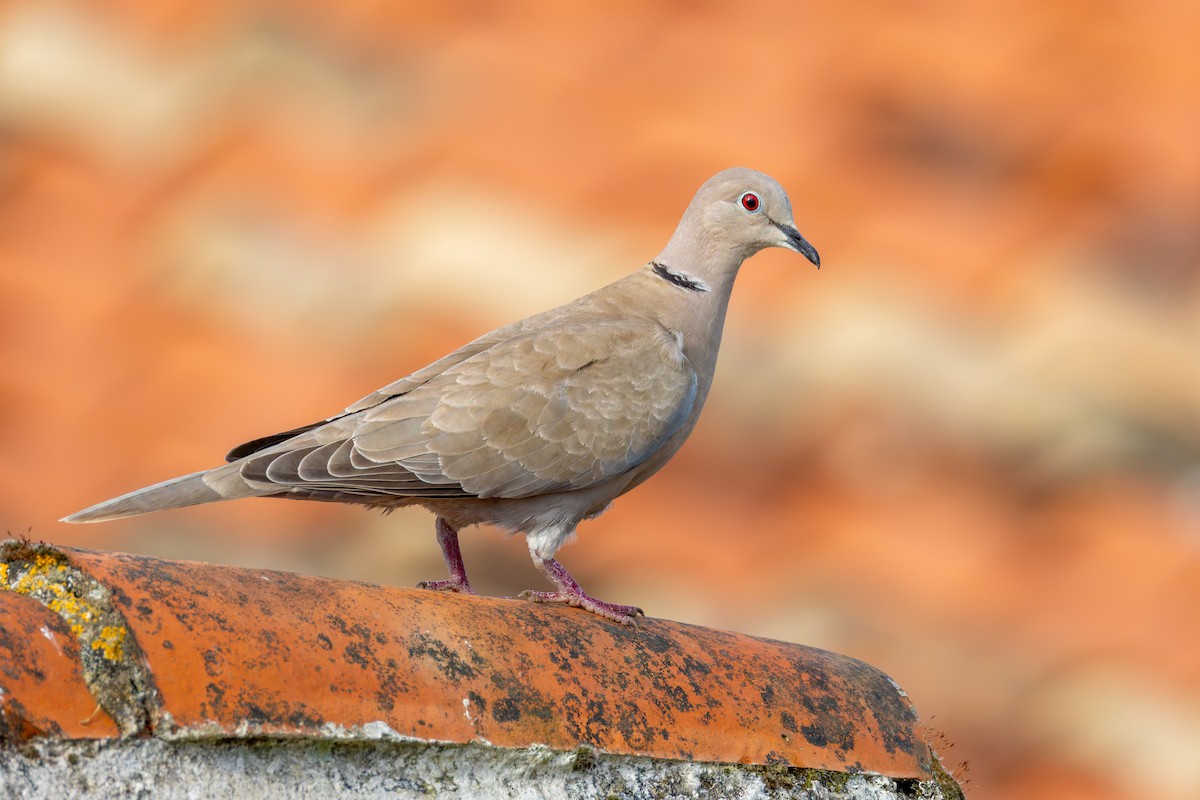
(307,769)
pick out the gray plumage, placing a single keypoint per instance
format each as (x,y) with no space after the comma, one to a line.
(535,426)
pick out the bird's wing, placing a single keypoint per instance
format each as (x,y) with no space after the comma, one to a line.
(421,376)
(394,389)
(559,408)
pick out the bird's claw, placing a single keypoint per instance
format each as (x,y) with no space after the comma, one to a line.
(623,615)
(448,585)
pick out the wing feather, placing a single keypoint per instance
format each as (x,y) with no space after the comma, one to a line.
(554,409)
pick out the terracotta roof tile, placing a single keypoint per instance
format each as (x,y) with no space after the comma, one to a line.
(237,652)
(42,691)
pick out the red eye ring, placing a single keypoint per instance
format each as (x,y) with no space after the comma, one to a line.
(749,201)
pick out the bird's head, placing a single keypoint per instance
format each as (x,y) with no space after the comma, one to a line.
(738,212)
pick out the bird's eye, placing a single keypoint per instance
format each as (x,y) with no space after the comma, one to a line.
(750,202)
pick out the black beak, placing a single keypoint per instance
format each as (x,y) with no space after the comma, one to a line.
(799,243)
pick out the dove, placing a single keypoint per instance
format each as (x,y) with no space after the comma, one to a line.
(538,425)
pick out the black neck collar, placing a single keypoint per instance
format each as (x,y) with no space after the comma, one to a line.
(679,279)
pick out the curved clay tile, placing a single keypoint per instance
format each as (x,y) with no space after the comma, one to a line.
(221,651)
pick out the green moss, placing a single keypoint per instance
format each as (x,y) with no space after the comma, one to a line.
(950,788)
(776,777)
(584,760)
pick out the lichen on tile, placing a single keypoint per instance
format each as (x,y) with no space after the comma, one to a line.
(111,661)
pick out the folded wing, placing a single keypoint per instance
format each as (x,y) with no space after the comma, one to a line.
(560,408)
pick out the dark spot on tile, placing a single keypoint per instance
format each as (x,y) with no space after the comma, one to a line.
(15,725)
(215,695)
(448,662)
(634,726)
(679,697)
(520,699)
(506,710)
(894,715)
(222,622)
(815,735)
(355,655)
(297,716)
(120,598)
(695,668)
(256,714)
(831,728)
(657,642)
(391,683)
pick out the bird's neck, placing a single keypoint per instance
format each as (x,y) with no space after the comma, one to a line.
(694,298)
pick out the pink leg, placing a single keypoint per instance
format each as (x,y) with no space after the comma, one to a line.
(457,582)
(570,593)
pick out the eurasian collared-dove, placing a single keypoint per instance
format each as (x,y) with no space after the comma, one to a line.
(535,426)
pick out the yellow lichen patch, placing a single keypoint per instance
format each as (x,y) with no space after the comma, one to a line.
(42,580)
(36,581)
(72,609)
(109,641)
(108,649)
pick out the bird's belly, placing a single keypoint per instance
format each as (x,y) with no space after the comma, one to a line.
(524,514)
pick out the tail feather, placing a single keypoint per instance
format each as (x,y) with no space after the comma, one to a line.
(187,490)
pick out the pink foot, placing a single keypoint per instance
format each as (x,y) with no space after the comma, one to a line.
(457,582)
(569,593)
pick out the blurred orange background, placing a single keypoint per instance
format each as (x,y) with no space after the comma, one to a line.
(967,450)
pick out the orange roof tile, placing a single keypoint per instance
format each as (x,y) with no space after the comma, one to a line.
(235,652)
(42,691)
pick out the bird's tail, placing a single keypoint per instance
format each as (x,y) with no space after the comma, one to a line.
(187,490)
